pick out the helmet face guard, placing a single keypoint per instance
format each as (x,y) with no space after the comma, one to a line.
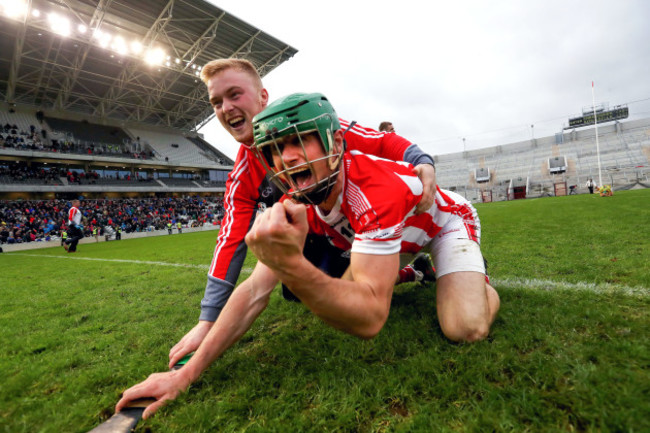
(300,115)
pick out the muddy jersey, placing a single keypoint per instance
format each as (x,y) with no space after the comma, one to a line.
(374,213)
(248,189)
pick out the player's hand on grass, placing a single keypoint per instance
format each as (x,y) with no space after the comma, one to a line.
(190,342)
(427,175)
(162,387)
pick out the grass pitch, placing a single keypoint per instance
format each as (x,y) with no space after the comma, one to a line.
(568,352)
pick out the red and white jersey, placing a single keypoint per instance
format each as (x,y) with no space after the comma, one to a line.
(74,216)
(374,214)
(248,189)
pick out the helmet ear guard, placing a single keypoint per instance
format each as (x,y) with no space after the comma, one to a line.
(298,114)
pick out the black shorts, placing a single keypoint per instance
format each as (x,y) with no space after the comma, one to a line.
(325,256)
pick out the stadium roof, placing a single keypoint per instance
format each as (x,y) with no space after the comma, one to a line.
(130,61)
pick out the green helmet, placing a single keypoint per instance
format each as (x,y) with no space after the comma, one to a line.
(297,114)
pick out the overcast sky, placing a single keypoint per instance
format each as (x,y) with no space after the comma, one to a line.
(443,71)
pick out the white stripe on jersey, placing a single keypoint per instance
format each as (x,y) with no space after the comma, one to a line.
(357,200)
(413,183)
(378,158)
(374,246)
(381,235)
(415,235)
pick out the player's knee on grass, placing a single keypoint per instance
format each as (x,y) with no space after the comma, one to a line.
(462,305)
(465,332)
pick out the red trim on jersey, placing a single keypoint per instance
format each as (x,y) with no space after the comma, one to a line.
(240,204)
(464,211)
(425,223)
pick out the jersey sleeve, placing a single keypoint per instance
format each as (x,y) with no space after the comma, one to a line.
(386,145)
(240,205)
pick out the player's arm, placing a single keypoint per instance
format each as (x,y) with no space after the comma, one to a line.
(228,258)
(246,303)
(357,304)
(240,206)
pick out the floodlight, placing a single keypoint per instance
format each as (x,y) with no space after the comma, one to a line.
(36,13)
(82,28)
(119,45)
(59,24)
(15,9)
(154,56)
(136,47)
(105,40)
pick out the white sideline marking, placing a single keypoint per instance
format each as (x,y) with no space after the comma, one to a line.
(141,262)
(513,283)
(518,283)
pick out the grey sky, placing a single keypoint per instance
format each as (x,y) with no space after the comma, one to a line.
(441,71)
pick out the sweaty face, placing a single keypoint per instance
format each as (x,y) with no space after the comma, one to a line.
(236,98)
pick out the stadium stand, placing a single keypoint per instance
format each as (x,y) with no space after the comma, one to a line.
(174,148)
(624,159)
(89,132)
(45,220)
(210,152)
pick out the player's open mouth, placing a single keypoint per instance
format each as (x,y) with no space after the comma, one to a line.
(301,177)
(236,122)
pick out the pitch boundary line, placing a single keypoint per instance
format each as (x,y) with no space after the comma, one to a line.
(511,283)
(139,262)
(549,285)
